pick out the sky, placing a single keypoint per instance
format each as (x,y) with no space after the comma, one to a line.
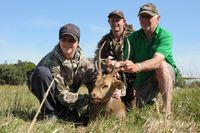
(29,28)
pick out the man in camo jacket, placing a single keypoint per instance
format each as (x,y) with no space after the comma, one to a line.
(113,49)
(70,69)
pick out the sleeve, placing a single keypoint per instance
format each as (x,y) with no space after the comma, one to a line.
(90,73)
(164,45)
(63,94)
(73,100)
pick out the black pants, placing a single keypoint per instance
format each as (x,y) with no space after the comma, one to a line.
(41,79)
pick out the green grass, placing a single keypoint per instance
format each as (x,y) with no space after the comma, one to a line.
(18,107)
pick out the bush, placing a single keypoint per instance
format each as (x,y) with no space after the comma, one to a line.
(180,82)
(2,82)
(15,74)
(195,84)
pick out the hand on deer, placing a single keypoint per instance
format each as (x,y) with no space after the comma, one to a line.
(129,67)
(113,63)
(117,93)
(117,75)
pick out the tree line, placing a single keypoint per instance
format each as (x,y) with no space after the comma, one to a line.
(15,74)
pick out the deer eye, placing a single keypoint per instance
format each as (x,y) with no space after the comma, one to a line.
(105,86)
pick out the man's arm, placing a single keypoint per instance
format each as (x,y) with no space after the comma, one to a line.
(147,65)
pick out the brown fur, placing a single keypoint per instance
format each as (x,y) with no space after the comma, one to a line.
(102,100)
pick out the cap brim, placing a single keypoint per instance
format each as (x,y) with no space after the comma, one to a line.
(115,15)
(75,37)
(148,12)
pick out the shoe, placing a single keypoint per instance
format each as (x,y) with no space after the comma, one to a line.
(52,117)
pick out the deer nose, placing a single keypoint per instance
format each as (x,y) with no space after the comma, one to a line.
(93,95)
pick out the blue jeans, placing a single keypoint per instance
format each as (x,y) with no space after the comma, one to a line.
(41,79)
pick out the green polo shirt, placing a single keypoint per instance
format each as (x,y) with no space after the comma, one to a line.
(143,49)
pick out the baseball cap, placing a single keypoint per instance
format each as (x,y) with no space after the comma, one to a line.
(149,8)
(117,13)
(70,29)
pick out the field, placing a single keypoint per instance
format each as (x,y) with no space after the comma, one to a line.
(18,107)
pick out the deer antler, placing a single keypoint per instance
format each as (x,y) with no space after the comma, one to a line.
(114,70)
(99,62)
(129,49)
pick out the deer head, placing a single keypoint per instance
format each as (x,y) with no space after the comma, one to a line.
(104,88)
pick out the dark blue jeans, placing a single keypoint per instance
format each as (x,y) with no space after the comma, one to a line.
(41,79)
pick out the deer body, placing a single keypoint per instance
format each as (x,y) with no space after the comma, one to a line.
(116,107)
(101,95)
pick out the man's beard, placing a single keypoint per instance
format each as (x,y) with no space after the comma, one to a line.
(148,28)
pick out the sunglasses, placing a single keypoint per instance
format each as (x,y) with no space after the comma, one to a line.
(145,16)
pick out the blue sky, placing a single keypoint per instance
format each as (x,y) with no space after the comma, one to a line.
(29,28)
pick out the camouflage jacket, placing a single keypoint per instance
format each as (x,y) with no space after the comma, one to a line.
(70,75)
(114,49)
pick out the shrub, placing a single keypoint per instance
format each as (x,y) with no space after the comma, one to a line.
(2,82)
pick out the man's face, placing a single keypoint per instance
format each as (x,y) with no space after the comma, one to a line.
(148,22)
(117,24)
(68,46)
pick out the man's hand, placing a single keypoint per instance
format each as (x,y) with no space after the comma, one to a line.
(113,63)
(117,93)
(130,67)
(110,63)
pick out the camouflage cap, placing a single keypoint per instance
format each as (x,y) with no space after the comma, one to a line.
(149,8)
(117,13)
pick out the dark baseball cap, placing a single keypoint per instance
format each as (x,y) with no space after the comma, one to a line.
(148,8)
(117,13)
(70,29)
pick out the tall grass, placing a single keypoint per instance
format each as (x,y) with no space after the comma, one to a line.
(18,107)
(187,104)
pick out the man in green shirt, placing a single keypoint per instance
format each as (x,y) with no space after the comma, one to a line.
(151,59)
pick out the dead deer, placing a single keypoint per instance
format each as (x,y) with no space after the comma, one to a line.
(101,95)
(102,100)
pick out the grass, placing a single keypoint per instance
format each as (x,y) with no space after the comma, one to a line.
(19,106)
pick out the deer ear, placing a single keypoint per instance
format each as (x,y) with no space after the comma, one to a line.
(117,84)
